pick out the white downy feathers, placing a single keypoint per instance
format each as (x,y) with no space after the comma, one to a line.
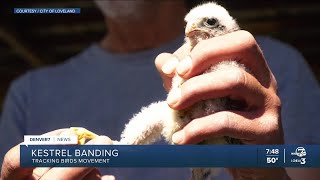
(158,119)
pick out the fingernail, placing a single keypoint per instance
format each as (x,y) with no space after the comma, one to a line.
(174,96)
(184,66)
(178,137)
(170,66)
(108,177)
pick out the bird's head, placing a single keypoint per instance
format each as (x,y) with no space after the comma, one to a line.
(206,21)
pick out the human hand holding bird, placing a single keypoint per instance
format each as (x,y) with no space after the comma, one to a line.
(219,65)
(258,123)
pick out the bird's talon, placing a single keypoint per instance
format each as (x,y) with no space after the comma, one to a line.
(83,134)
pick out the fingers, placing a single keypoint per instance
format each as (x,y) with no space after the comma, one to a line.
(232,82)
(167,64)
(11,163)
(240,46)
(77,173)
(241,125)
(39,172)
(67,173)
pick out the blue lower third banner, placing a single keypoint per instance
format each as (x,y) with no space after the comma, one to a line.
(170,156)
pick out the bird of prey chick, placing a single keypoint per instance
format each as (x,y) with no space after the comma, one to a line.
(158,119)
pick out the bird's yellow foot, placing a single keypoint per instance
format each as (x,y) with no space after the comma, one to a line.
(83,134)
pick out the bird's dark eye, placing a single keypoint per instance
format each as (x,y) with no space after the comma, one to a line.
(210,22)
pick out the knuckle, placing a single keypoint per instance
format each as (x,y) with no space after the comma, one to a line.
(224,122)
(271,125)
(277,101)
(273,101)
(248,40)
(246,35)
(270,129)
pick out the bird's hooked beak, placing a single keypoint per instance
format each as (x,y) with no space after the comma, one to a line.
(194,31)
(190,31)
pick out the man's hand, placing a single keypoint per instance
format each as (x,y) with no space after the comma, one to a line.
(259,123)
(11,165)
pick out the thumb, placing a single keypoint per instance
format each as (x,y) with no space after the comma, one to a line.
(166,65)
(11,164)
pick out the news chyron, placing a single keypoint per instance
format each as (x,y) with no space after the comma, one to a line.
(64,151)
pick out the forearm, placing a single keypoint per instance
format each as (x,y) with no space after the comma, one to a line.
(259,174)
(304,173)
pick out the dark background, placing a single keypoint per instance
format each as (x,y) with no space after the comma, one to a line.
(33,41)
